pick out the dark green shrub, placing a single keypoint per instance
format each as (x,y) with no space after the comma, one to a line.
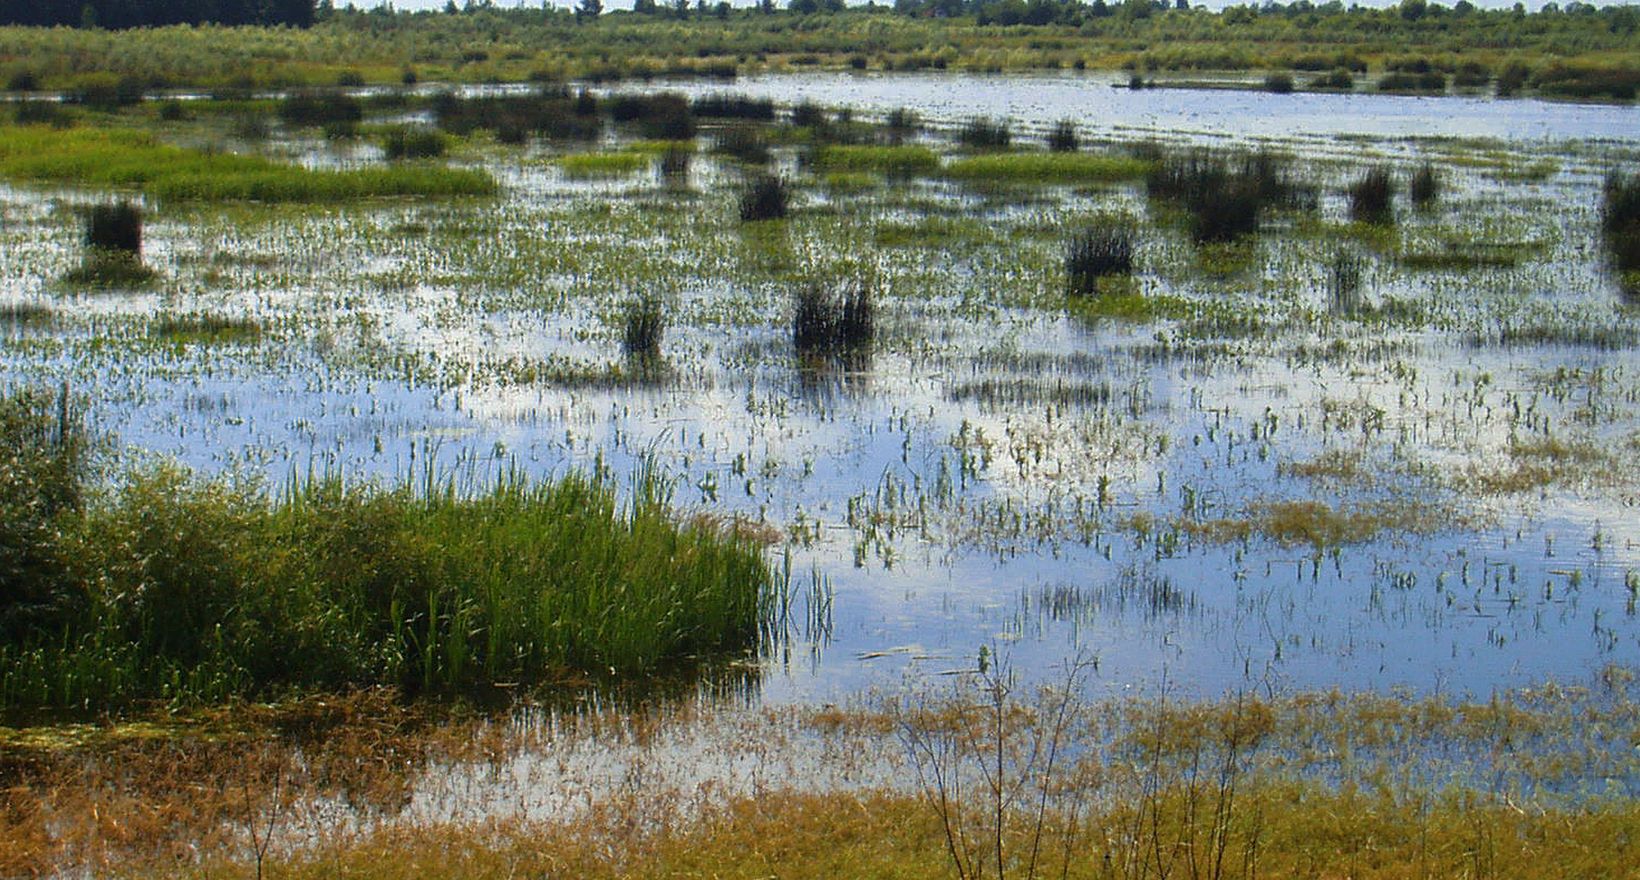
(23,81)
(1371,197)
(1063,138)
(318,109)
(412,142)
(765,199)
(829,322)
(726,106)
(1339,80)
(1412,82)
(116,227)
(44,465)
(1094,253)
(1279,83)
(1425,185)
(980,133)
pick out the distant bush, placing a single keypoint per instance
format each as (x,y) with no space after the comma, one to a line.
(1063,139)
(1279,83)
(980,133)
(23,81)
(34,112)
(1412,82)
(104,91)
(727,106)
(172,111)
(320,108)
(1512,78)
(1620,222)
(765,199)
(350,79)
(414,142)
(827,322)
(1094,253)
(551,114)
(1588,81)
(1339,80)
(1371,197)
(665,116)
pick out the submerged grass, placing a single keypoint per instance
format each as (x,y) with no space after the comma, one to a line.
(181,588)
(121,157)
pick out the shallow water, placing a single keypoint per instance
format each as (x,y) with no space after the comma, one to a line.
(998,475)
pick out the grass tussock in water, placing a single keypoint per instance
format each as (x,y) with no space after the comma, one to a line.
(1095,253)
(1372,198)
(767,198)
(175,587)
(128,158)
(901,161)
(1066,168)
(827,321)
(604,164)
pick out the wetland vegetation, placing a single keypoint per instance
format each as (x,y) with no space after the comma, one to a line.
(607,478)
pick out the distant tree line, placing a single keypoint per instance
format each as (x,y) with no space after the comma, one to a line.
(120,14)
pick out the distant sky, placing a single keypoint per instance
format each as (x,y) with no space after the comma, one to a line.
(1212,4)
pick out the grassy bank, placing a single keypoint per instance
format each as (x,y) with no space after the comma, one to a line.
(1581,52)
(172,586)
(125,158)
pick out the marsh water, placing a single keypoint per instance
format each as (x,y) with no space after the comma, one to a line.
(999,473)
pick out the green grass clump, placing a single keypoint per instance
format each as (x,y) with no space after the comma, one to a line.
(604,164)
(128,158)
(894,161)
(177,587)
(1069,168)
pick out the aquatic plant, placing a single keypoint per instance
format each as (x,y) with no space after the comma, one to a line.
(1344,282)
(1279,83)
(1063,139)
(642,326)
(765,199)
(1371,197)
(413,142)
(731,106)
(1425,185)
(745,142)
(316,109)
(1096,252)
(116,227)
(185,588)
(828,321)
(1068,168)
(902,161)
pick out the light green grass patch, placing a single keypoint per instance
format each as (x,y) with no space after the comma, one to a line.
(903,161)
(1069,168)
(604,164)
(126,158)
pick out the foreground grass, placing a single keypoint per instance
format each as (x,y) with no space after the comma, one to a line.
(182,588)
(129,158)
(1068,168)
(1525,784)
